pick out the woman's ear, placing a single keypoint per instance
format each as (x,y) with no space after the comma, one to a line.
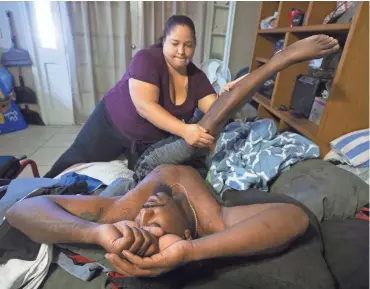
(187,234)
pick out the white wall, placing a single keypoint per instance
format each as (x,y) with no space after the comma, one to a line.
(244,32)
(5,41)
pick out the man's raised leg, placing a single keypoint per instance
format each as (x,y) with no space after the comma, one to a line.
(177,151)
(228,103)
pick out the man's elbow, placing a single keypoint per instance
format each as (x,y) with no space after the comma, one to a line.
(300,218)
(11,214)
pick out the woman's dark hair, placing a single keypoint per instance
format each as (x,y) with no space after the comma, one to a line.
(171,23)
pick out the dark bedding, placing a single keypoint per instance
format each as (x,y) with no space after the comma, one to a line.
(322,190)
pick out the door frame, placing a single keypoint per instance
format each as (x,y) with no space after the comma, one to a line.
(36,69)
(35,66)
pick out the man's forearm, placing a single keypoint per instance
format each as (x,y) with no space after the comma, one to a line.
(43,221)
(268,230)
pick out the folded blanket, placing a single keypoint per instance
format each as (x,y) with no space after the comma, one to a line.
(252,154)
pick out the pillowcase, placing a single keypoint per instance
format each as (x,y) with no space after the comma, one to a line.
(354,148)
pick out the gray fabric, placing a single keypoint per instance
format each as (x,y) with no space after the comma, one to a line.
(346,245)
(329,192)
(84,272)
(57,278)
(92,252)
(302,267)
(172,150)
(118,188)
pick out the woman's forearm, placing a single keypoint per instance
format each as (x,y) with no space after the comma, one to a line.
(43,221)
(161,118)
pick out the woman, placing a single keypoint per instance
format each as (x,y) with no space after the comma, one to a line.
(156,97)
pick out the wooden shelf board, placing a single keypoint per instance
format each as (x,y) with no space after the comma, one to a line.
(302,125)
(262,100)
(333,28)
(262,59)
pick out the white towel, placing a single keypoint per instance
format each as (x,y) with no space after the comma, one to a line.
(106,172)
(16,273)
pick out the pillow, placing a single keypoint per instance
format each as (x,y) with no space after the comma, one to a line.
(346,246)
(329,192)
(354,148)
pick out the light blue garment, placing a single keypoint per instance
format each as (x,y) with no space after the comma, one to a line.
(252,154)
(20,188)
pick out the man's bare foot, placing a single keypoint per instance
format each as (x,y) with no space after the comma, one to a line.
(313,47)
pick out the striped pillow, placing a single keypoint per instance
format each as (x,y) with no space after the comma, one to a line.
(354,148)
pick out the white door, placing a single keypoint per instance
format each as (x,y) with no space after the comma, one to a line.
(47,26)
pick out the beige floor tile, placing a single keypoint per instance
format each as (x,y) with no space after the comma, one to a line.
(34,135)
(43,170)
(18,147)
(71,129)
(62,140)
(27,172)
(47,156)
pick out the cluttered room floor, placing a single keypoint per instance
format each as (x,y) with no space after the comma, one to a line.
(43,144)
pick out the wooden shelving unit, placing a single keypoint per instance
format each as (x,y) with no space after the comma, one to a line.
(302,125)
(347,108)
(314,29)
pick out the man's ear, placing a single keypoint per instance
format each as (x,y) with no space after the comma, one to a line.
(187,234)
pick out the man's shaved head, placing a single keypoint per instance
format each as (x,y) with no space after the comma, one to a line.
(163,188)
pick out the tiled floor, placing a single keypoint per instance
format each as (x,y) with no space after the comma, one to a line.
(43,144)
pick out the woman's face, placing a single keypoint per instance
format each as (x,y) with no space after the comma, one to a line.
(161,210)
(179,46)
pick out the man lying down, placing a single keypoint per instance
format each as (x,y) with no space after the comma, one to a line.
(171,218)
(167,220)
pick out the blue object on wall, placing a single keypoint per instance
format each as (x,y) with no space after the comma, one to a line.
(11,119)
(15,56)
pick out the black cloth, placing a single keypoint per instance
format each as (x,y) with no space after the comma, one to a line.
(98,141)
(346,245)
(9,167)
(16,245)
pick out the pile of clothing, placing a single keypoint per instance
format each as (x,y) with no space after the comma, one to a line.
(252,154)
